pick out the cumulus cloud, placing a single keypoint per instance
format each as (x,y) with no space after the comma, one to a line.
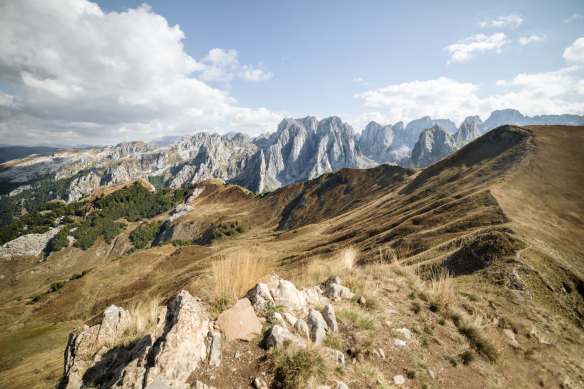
(74,73)
(251,73)
(556,92)
(574,17)
(221,65)
(511,21)
(531,39)
(575,52)
(465,49)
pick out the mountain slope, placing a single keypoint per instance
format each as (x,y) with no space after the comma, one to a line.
(482,212)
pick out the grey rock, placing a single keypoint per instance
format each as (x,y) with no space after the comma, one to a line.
(341,385)
(259,296)
(278,317)
(337,356)
(277,336)
(290,318)
(165,357)
(328,313)
(258,383)
(399,380)
(287,296)
(336,292)
(317,325)
(302,327)
(214,348)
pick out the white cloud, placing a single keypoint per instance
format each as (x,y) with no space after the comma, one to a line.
(464,50)
(77,74)
(250,73)
(556,92)
(575,52)
(531,39)
(574,17)
(219,65)
(512,21)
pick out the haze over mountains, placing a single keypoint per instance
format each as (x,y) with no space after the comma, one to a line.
(299,150)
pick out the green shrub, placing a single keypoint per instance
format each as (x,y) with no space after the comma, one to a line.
(55,286)
(227,229)
(145,233)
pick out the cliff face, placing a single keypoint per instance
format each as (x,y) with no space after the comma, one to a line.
(299,150)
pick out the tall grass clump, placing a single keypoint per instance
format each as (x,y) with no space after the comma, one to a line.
(441,290)
(234,274)
(314,270)
(295,369)
(477,335)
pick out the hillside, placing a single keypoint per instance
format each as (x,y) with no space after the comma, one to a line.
(503,215)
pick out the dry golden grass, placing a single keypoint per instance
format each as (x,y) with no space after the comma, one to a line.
(233,274)
(441,289)
(143,319)
(314,270)
(143,316)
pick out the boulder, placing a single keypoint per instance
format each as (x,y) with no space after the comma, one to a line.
(290,318)
(280,320)
(328,313)
(336,292)
(287,296)
(260,296)
(332,281)
(317,325)
(240,321)
(337,356)
(302,327)
(341,385)
(314,296)
(405,332)
(277,336)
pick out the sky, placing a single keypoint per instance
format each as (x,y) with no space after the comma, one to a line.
(81,72)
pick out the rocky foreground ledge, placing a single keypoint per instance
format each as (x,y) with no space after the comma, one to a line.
(185,338)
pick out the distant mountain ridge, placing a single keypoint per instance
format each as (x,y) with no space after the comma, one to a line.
(299,150)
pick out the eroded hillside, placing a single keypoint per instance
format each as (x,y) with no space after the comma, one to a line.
(503,215)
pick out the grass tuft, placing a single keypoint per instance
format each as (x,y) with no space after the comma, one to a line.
(234,274)
(295,369)
(360,318)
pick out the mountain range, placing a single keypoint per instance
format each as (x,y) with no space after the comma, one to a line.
(299,150)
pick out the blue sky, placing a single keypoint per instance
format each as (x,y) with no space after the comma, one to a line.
(72,71)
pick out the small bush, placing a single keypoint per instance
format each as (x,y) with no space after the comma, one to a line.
(55,286)
(451,359)
(466,357)
(296,369)
(416,307)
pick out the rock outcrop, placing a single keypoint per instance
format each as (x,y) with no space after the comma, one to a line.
(166,356)
(109,354)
